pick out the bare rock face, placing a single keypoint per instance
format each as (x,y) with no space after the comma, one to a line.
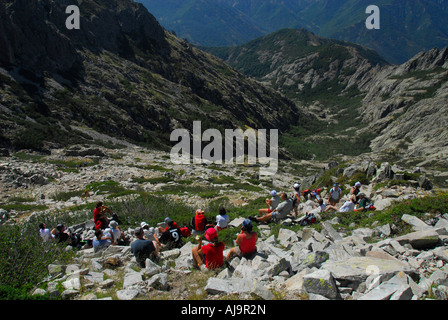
(407,106)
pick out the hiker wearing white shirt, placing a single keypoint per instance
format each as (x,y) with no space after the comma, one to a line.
(222,219)
(45,233)
(116,233)
(346,207)
(272,204)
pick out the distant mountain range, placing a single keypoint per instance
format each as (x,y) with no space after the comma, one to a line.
(353,100)
(407,26)
(122,74)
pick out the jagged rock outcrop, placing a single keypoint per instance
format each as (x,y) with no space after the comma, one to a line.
(406,106)
(401,109)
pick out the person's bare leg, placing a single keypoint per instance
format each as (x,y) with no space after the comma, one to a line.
(230,254)
(330,207)
(197,259)
(265,218)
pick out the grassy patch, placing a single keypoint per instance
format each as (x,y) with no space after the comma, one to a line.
(422,208)
(24,259)
(23,207)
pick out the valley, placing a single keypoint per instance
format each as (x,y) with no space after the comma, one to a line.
(95,113)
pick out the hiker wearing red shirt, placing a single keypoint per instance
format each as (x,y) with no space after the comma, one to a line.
(212,254)
(246,242)
(99,216)
(198,223)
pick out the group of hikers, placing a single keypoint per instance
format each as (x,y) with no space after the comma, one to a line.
(169,235)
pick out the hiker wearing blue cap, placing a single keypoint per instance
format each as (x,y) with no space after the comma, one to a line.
(246,242)
(272,204)
(335,195)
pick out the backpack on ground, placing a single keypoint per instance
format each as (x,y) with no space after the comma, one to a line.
(309,219)
(186,232)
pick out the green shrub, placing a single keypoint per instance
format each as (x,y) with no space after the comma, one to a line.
(24,259)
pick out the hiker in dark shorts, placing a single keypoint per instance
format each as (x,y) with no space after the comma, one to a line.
(143,249)
(171,238)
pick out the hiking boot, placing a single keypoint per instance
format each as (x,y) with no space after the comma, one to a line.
(228,265)
(251,218)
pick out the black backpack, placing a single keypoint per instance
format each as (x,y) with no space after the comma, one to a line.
(309,219)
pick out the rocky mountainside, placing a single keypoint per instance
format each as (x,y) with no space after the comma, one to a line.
(407,106)
(368,259)
(121,73)
(304,265)
(407,26)
(352,92)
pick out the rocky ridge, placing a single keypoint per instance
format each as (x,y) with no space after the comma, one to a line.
(350,89)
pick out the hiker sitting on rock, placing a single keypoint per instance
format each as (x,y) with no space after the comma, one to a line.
(163,229)
(222,219)
(279,213)
(363,202)
(211,255)
(59,234)
(117,236)
(149,233)
(45,233)
(272,203)
(99,216)
(246,242)
(319,208)
(355,190)
(143,249)
(198,223)
(172,237)
(101,241)
(346,207)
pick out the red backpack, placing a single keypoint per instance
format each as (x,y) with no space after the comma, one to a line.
(199,222)
(186,232)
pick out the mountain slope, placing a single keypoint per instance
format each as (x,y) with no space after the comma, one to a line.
(354,101)
(121,74)
(407,26)
(204,22)
(322,76)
